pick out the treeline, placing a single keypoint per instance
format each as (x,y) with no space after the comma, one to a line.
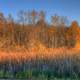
(32,30)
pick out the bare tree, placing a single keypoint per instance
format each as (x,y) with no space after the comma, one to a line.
(34,17)
(60,23)
(2,24)
(42,18)
(42,15)
(11,26)
(22,17)
(55,20)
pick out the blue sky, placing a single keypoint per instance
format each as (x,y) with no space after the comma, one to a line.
(70,8)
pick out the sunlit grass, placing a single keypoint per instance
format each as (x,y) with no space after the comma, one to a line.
(46,63)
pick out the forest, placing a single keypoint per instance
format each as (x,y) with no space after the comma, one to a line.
(32,30)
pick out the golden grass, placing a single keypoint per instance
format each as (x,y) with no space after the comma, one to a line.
(33,54)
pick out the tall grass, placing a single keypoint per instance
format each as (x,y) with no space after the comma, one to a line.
(49,63)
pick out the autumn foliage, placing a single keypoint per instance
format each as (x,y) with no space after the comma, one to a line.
(31,30)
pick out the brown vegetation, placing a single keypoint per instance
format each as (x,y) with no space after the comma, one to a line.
(31,30)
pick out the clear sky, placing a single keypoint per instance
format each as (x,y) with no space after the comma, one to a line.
(70,8)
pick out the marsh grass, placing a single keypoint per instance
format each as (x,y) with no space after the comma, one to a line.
(48,64)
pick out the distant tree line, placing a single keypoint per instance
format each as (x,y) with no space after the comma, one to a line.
(31,29)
